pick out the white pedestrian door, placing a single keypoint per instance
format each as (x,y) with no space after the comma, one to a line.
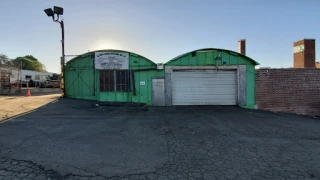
(158,96)
(204,87)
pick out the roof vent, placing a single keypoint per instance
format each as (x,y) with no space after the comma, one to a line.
(160,66)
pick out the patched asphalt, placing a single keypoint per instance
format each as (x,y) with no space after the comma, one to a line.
(75,139)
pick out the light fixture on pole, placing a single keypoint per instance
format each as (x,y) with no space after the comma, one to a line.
(51,13)
(58,10)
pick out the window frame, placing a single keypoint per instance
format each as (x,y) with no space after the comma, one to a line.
(28,77)
(37,77)
(123,81)
(120,80)
(106,87)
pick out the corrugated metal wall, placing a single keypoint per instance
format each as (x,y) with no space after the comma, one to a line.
(82,80)
(207,57)
(79,78)
(143,93)
(144,70)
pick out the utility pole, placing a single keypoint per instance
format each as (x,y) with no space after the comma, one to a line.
(51,13)
(63,61)
(0,79)
(20,75)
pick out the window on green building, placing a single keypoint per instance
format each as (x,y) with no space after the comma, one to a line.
(118,80)
(123,80)
(106,80)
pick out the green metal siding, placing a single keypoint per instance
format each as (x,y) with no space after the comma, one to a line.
(79,76)
(206,57)
(143,93)
(250,87)
(144,70)
(82,80)
(137,62)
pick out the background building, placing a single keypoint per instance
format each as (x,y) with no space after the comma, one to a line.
(304,53)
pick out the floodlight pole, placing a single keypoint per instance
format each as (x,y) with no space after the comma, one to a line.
(62,61)
(59,11)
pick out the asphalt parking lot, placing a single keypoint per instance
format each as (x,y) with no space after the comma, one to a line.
(16,105)
(74,139)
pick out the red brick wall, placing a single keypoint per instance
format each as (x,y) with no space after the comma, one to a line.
(298,57)
(310,53)
(306,58)
(242,47)
(289,90)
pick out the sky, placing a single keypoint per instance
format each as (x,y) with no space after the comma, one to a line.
(159,29)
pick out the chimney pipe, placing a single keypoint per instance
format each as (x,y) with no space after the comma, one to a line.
(242,46)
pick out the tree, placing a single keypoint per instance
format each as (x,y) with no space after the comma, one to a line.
(29,64)
(30,57)
(4,59)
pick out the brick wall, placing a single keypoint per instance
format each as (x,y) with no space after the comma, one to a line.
(298,57)
(309,53)
(242,46)
(289,90)
(306,58)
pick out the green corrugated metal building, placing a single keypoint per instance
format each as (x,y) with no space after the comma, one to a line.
(210,77)
(111,75)
(201,77)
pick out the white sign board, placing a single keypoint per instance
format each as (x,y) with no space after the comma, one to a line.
(111,60)
(298,49)
(142,83)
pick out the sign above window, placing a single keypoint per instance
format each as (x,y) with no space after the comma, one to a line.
(111,60)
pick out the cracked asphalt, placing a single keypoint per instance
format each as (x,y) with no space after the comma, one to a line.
(71,139)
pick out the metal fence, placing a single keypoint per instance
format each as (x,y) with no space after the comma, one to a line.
(9,77)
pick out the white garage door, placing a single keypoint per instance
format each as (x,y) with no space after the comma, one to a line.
(205,87)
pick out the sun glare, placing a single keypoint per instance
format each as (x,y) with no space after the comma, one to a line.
(107,45)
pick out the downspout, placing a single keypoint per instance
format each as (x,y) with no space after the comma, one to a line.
(217,59)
